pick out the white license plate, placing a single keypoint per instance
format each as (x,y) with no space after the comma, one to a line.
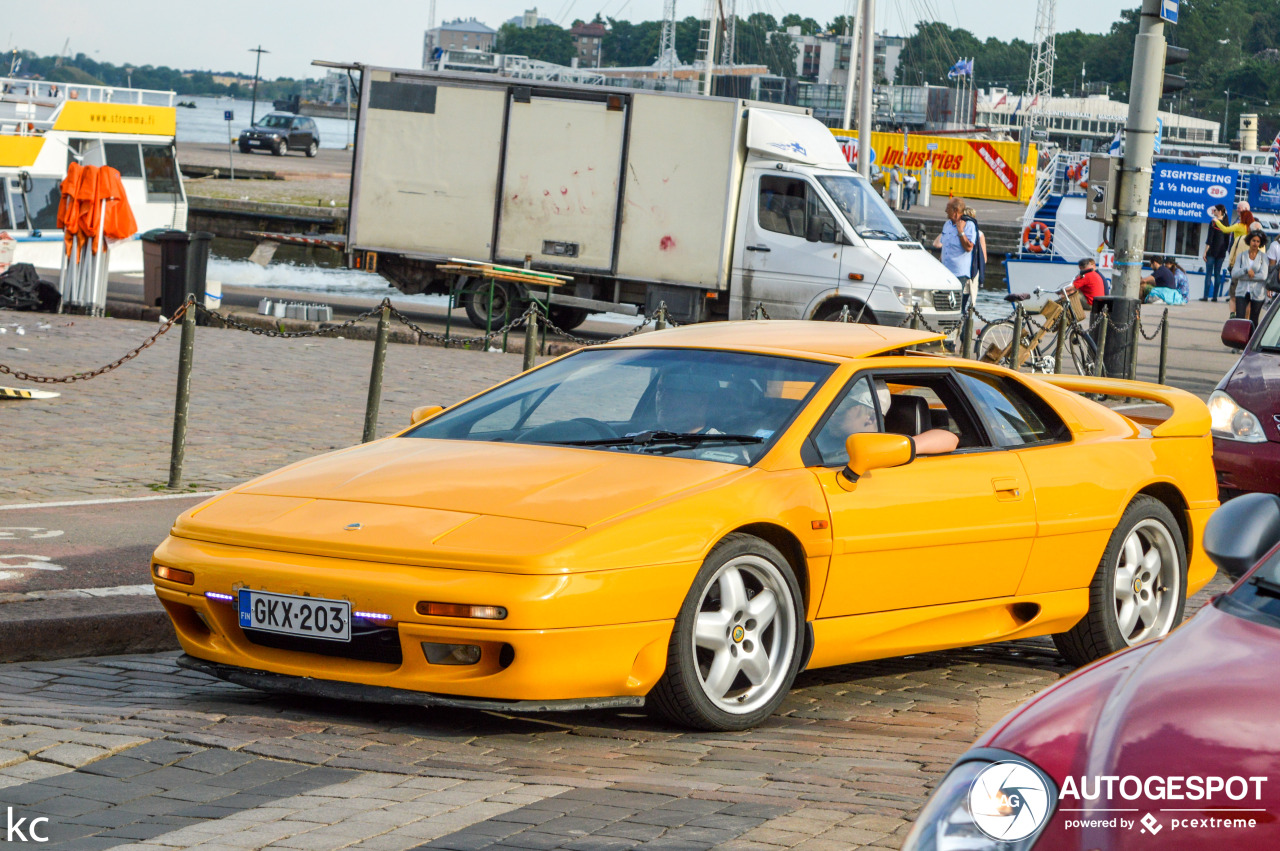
(305,617)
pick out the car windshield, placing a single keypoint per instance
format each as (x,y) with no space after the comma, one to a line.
(1258,597)
(1269,339)
(281,121)
(863,207)
(688,403)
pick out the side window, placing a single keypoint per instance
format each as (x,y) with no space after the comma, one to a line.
(855,412)
(1013,413)
(161,171)
(124,157)
(782,205)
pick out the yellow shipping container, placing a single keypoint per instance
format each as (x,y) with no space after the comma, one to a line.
(971,168)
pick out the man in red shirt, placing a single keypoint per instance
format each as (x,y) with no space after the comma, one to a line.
(1089,283)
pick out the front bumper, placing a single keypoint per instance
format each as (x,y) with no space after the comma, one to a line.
(586,636)
(1246,467)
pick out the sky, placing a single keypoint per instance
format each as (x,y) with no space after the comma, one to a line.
(217,35)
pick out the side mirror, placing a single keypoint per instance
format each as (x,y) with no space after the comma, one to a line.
(423,413)
(813,230)
(1242,531)
(873,450)
(1236,333)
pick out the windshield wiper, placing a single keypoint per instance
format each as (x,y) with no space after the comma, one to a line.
(884,233)
(646,438)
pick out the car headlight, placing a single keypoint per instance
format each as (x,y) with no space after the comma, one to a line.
(1232,422)
(1015,800)
(910,296)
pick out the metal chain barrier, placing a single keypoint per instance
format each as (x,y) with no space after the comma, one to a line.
(102,370)
(273,332)
(583,341)
(464,342)
(1156,331)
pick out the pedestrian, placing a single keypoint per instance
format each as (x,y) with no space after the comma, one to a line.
(1250,276)
(895,188)
(1161,276)
(978,266)
(1089,282)
(1215,254)
(1241,232)
(912,190)
(1180,281)
(957,241)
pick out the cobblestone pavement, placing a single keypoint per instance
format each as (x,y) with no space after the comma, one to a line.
(257,403)
(136,752)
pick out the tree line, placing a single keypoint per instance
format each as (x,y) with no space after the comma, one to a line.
(84,70)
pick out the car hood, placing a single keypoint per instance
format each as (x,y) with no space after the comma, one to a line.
(1195,704)
(407,498)
(912,267)
(1254,383)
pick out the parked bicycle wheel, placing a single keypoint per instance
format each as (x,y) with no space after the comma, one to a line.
(1000,336)
(1084,351)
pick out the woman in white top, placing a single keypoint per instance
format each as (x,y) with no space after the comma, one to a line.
(1250,276)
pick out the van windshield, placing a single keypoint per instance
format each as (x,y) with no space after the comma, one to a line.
(863,207)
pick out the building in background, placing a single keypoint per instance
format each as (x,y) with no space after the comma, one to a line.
(530,19)
(824,58)
(459,34)
(588,40)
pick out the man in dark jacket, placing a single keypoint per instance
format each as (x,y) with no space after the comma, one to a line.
(1215,255)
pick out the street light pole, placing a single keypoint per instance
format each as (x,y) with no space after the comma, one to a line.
(256,68)
(1226,116)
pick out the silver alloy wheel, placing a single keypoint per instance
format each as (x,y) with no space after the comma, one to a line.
(744,634)
(1147,583)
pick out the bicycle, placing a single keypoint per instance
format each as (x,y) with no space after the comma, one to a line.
(1040,335)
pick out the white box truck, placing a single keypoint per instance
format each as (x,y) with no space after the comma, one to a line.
(712,205)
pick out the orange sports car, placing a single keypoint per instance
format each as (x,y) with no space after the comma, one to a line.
(688,518)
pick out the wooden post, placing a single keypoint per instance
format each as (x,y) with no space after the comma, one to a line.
(1131,370)
(182,407)
(375,375)
(1164,347)
(1060,344)
(1015,349)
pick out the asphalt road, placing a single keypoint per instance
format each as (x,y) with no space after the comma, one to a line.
(78,545)
(329,162)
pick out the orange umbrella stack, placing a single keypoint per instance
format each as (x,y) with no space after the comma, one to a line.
(94,213)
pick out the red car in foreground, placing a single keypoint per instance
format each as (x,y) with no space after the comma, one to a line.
(1245,408)
(1173,744)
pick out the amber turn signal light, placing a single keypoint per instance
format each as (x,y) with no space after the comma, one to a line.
(462,610)
(182,577)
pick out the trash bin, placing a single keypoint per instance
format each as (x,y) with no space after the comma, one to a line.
(151,267)
(184,260)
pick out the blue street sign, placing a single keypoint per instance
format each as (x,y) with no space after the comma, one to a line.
(1159,133)
(228,115)
(1184,193)
(1169,11)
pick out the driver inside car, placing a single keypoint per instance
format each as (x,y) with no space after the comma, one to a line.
(856,415)
(684,402)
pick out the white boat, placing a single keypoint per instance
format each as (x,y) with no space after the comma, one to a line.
(1057,210)
(44,126)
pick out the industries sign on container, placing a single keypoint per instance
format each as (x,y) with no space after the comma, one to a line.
(971,168)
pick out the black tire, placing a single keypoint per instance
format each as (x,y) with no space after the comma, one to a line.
(567,318)
(245,149)
(679,695)
(830,312)
(1098,633)
(313,148)
(281,148)
(1084,353)
(504,308)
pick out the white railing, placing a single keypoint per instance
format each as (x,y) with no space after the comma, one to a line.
(46,93)
(1044,187)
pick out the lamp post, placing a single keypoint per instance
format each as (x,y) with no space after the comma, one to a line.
(1226,112)
(256,67)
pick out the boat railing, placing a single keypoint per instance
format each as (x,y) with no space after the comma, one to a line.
(48,93)
(1045,178)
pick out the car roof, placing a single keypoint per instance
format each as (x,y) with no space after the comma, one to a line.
(794,336)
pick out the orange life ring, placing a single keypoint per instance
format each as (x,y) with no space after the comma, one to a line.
(1036,237)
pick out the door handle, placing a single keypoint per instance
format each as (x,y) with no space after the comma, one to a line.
(1007,488)
(759,248)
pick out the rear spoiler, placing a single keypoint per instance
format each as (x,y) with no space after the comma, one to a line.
(1190,417)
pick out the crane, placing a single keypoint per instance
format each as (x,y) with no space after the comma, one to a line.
(1040,75)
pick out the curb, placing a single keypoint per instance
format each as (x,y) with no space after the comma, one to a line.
(47,630)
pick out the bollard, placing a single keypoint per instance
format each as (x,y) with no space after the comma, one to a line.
(1131,369)
(660,318)
(448,316)
(375,375)
(759,311)
(1164,346)
(844,313)
(488,315)
(186,356)
(530,338)
(1061,343)
(914,322)
(1104,321)
(966,335)
(1015,349)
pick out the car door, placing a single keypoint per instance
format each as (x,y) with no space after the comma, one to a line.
(940,529)
(777,265)
(299,139)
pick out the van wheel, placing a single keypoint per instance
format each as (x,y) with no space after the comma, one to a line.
(567,318)
(481,309)
(1139,592)
(831,313)
(736,645)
